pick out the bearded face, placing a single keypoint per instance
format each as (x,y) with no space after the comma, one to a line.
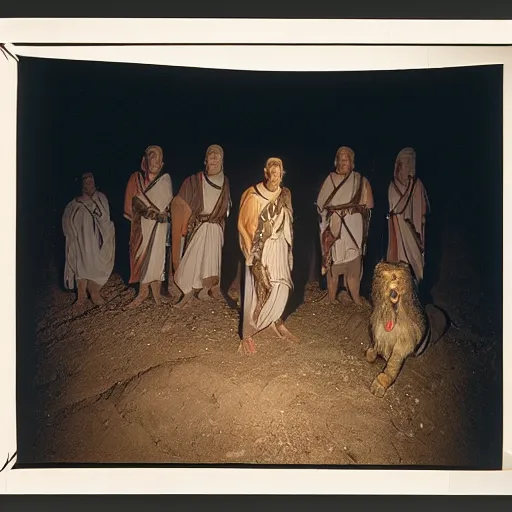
(154,162)
(213,162)
(88,185)
(273,177)
(405,166)
(343,163)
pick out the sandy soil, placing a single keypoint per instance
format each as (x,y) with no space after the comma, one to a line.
(159,385)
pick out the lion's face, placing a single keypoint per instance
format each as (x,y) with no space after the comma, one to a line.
(395,279)
(392,284)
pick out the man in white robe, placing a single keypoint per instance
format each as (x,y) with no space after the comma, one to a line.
(147,206)
(344,204)
(199,213)
(266,240)
(408,206)
(90,243)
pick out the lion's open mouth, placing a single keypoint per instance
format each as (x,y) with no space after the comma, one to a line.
(394,297)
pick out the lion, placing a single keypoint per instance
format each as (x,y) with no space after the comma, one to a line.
(400,326)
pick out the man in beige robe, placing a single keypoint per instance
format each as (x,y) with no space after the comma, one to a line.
(199,213)
(344,204)
(90,243)
(408,206)
(147,206)
(266,240)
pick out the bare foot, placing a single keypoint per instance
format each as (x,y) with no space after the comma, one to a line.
(325,299)
(98,301)
(79,306)
(216,293)
(204,295)
(275,330)
(184,300)
(247,347)
(361,302)
(135,303)
(94,292)
(345,298)
(285,333)
(173,295)
(173,290)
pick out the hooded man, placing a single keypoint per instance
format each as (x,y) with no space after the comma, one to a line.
(408,206)
(147,203)
(199,213)
(344,204)
(90,243)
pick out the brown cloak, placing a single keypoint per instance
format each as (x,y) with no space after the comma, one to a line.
(186,208)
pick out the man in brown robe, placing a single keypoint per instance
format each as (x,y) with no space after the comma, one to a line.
(344,204)
(408,206)
(147,203)
(199,213)
(266,239)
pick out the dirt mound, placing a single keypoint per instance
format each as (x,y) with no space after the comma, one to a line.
(158,384)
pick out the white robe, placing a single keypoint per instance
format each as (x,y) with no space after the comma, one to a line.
(203,255)
(278,260)
(413,210)
(344,249)
(90,240)
(160,195)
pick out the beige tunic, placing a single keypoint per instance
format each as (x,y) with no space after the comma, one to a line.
(407,207)
(349,231)
(148,237)
(203,256)
(90,240)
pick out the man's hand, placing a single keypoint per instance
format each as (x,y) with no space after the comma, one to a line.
(163,217)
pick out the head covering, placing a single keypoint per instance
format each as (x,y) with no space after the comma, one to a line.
(406,152)
(150,149)
(274,161)
(211,149)
(350,153)
(83,178)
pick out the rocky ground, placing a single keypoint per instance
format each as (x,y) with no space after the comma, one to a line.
(163,385)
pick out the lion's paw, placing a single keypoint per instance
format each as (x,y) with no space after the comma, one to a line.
(371,355)
(377,388)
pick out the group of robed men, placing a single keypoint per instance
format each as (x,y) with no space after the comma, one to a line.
(182,235)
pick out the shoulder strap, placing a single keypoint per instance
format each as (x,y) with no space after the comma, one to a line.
(335,190)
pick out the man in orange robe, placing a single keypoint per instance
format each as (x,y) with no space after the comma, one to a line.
(266,240)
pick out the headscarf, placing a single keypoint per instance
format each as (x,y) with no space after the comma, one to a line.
(274,161)
(86,175)
(149,150)
(351,156)
(406,152)
(211,149)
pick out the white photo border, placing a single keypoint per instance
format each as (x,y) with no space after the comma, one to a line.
(323,45)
